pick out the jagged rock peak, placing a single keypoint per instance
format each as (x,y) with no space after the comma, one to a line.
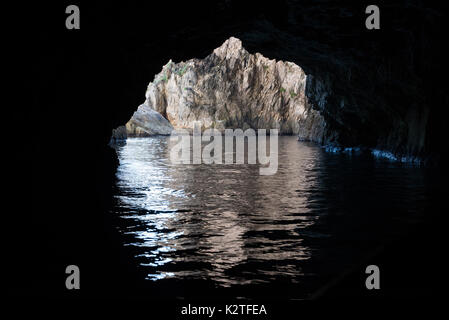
(231,48)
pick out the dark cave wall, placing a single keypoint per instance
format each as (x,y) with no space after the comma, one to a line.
(377,89)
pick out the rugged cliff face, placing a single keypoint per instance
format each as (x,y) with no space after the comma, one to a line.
(230,88)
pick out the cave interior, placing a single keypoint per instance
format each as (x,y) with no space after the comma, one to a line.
(382,90)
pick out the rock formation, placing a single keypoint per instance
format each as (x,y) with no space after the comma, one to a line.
(230,88)
(147,122)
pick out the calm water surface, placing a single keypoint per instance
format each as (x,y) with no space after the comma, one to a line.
(228,225)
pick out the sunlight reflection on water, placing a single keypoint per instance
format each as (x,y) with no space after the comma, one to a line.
(217,216)
(230,225)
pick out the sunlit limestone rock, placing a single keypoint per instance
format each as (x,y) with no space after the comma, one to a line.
(147,122)
(230,88)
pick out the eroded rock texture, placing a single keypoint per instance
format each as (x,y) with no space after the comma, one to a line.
(230,88)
